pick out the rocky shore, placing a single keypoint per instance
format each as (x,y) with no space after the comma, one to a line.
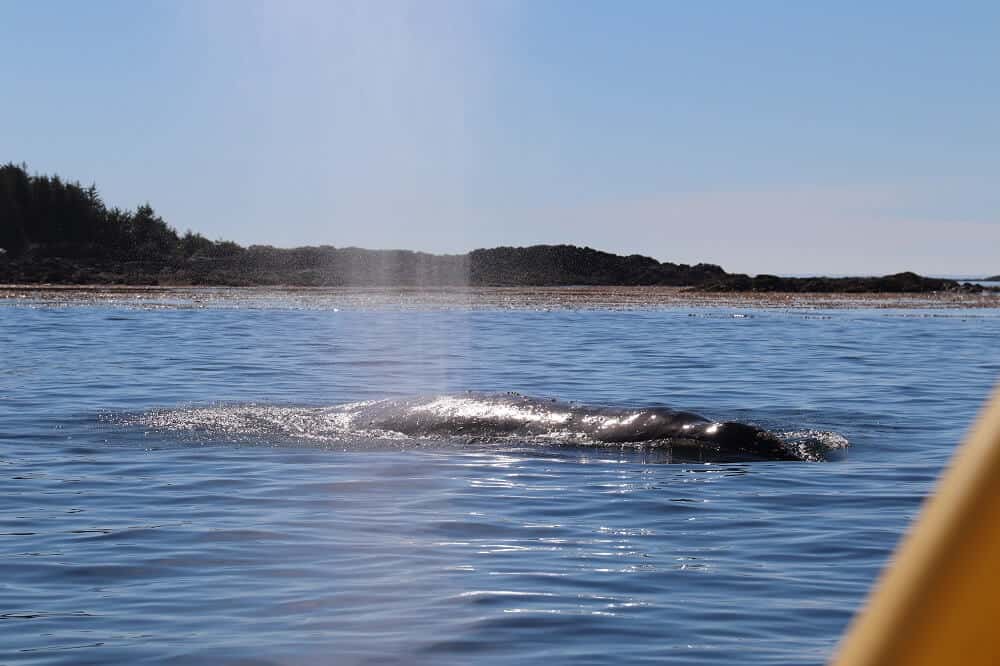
(477,298)
(533,266)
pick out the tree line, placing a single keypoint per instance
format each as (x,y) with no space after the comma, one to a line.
(51,217)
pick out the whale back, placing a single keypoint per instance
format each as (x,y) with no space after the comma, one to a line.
(482,416)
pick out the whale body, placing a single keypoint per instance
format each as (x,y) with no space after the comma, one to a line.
(496,418)
(512,415)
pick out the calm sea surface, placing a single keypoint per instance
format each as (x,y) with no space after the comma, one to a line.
(123,544)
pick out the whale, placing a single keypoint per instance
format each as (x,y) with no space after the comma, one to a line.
(493,420)
(485,416)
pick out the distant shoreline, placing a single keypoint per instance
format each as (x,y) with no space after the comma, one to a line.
(58,232)
(531,266)
(535,266)
(328,266)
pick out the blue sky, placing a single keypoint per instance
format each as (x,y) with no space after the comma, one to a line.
(765,136)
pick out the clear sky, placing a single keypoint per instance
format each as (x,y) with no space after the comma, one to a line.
(792,137)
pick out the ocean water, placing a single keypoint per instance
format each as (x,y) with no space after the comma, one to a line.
(122,542)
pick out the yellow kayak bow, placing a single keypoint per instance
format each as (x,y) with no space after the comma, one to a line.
(938,602)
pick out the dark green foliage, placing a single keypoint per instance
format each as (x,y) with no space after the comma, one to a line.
(541,265)
(15,199)
(47,217)
(195,245)
(898,283)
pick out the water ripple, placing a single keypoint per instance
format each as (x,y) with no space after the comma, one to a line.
(126,545)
